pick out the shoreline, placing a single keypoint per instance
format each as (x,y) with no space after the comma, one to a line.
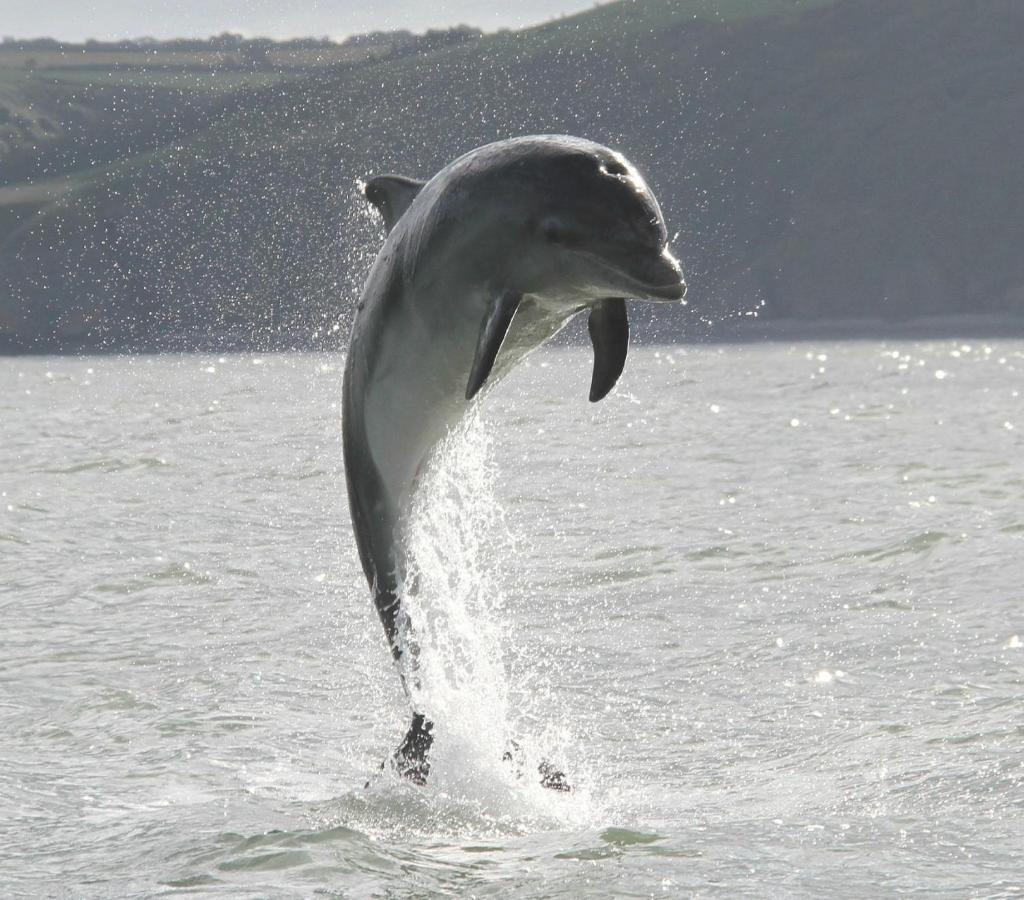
(969,327)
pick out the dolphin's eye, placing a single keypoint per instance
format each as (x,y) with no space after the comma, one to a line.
(553,231)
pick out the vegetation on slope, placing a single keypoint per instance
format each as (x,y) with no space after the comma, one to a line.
(820,159)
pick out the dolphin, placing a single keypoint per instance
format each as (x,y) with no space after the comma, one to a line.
(482,264)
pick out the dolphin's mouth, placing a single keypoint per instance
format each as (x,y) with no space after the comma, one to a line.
(656,278)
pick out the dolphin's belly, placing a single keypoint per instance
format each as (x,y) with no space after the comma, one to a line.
(416,392)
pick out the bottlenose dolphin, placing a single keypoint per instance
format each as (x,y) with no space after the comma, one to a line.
(482,264)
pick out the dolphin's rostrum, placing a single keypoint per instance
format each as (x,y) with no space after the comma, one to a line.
(482,264)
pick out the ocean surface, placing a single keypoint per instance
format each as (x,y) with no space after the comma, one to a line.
(764,605)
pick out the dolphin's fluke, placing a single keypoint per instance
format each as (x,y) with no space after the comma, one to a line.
(609,333)
(410,759)
(392,195)
(551,777)
(492,333)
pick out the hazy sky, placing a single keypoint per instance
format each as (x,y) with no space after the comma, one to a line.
(75,20)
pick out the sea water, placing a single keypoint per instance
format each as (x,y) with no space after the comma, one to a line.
(764,605)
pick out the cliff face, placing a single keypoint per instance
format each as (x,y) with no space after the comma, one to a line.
(819,160)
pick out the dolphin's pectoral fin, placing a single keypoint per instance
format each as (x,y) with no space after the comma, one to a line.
(609,333)
(392,194)
(492,333)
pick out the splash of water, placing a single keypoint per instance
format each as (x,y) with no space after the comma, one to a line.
(455,593)
(455,601)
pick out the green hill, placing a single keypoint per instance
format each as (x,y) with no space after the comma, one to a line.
(820,160)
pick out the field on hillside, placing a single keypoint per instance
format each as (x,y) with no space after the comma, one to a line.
(128,63)
(819,159)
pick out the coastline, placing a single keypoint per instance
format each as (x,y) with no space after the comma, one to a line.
(735,331)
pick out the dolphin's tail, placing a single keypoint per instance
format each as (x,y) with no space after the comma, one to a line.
(410,759)
(551,777)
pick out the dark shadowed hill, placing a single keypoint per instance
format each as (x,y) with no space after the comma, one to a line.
(820,160)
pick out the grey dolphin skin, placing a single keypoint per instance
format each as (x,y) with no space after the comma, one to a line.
(482,264)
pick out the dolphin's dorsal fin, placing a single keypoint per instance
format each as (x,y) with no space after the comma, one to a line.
(392,194)
(492,333)
(609,333)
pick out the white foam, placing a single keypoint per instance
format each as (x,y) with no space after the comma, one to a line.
(455,598)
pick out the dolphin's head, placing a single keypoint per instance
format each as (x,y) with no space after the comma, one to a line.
(583,225)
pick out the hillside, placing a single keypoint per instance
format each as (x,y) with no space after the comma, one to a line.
(820,160)
(68,107)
